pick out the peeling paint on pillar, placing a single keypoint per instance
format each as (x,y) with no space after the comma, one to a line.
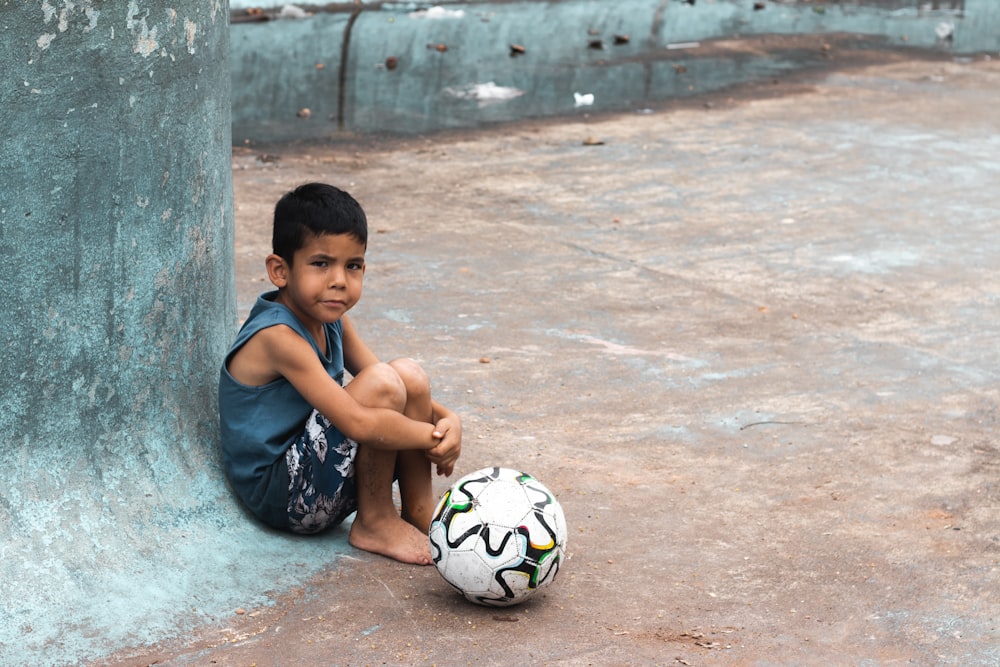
(116,236)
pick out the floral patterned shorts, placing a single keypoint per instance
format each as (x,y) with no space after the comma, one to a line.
(321,490)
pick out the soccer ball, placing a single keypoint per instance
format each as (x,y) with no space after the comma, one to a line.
(498,535)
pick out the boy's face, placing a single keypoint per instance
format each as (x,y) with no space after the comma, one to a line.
(324,280)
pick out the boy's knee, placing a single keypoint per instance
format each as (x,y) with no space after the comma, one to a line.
(388,386)
(412,374)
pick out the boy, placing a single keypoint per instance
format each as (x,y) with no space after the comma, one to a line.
(301,450)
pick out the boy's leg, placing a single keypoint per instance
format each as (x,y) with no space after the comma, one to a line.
(413,469)
(377,527)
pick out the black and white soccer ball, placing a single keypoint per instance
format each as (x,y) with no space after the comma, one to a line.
(498,536)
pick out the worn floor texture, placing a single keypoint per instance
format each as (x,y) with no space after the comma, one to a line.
(750,342)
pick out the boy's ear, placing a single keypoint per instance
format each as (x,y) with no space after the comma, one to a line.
(277,270)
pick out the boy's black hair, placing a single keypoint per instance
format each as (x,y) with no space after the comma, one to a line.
(316,209)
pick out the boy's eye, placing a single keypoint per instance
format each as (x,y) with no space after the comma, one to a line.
(355,266)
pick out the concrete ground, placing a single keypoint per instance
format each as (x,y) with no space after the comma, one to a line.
(750,341)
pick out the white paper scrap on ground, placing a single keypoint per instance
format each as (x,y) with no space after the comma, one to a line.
(485,93)
(437,12)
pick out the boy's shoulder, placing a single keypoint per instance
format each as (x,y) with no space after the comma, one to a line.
(268,314)
(272,336)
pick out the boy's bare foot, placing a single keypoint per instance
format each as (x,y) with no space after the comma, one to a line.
(392,537)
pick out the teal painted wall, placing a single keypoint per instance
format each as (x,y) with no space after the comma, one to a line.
(283,66)
(116,236)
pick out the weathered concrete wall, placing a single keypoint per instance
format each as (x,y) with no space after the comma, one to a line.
(116,234)
(334,62)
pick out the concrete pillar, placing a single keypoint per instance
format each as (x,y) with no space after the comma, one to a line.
(116,238)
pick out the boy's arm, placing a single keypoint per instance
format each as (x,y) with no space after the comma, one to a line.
(293,357)
(357,355)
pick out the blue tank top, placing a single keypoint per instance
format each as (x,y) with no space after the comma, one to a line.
(258,424)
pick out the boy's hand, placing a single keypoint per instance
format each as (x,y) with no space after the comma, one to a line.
(444,454)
